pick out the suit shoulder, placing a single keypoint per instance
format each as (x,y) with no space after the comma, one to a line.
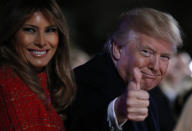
(98,65)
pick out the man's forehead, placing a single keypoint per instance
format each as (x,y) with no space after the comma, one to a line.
(157,45)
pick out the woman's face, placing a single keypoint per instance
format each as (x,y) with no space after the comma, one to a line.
(37,40)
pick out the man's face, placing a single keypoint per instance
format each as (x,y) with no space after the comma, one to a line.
(150,55)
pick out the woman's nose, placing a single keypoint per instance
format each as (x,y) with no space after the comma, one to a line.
(40,40)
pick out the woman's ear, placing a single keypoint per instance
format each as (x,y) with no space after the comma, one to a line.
(116,51)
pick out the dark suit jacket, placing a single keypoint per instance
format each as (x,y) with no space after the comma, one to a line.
(165,111)
(98,84)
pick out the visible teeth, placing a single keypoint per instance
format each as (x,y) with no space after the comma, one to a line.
(38,53)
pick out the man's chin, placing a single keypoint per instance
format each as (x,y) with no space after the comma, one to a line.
(147,87)
(148,84)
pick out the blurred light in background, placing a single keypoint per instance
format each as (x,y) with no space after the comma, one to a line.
(190,67)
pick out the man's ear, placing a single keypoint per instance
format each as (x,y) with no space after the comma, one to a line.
(116,51)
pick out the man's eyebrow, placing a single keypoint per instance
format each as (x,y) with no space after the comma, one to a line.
(167,54)
(144,46)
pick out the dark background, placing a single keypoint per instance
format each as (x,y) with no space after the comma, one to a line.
(91,21)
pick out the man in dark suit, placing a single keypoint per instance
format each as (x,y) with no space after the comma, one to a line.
(113,87)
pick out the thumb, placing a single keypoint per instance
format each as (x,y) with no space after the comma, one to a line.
(137,77)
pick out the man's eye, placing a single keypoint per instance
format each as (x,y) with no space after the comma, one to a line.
(165,57)
(52,29)
(29,29)
(146,52)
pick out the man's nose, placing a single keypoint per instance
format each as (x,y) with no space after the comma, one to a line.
(155,63)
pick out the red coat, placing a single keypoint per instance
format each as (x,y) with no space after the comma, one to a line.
(21,109)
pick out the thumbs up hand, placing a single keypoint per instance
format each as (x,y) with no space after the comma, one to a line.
(136,78)
(133,103)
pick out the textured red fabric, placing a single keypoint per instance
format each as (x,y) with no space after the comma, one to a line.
(21,109)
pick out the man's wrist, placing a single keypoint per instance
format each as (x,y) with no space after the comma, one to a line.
(120,117)
(112,119)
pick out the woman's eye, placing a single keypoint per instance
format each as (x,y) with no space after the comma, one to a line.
(52,29)
(29,29)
